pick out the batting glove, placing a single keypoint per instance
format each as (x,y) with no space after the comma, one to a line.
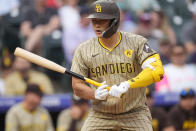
(119,90)
(101,92)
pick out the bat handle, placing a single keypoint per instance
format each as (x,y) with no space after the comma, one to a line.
(85,79)
(95,83)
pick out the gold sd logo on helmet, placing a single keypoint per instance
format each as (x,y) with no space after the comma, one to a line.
(98,8)
(128,53)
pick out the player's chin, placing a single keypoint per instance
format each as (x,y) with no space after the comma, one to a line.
(99,35)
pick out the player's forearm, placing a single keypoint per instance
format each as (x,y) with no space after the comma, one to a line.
(148,75)
(142,80)
(53,24)
(82,90)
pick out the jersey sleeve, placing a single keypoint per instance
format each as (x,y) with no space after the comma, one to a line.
(11,121)
(78,63)
(143,49)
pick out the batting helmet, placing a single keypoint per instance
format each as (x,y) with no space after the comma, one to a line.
(106,9)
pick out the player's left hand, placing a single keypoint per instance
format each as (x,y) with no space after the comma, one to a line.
(101,92)
(119,90)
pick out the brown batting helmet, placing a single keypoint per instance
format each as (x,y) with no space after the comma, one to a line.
(106,9)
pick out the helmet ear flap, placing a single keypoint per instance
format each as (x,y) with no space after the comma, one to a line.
(112,28)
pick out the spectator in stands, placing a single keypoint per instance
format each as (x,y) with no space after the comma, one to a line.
(38,22)
(78,34)
(69,15)
(6,69)
(159,115)
(16,83)
(126,24)
(28,115)
(183,115)
(52,3)
(139,6)
(178,74)
(165,47)
(72,119)
(192,58)
(6,6)
(161,27)
(144,28)
(25,5)
(188,35)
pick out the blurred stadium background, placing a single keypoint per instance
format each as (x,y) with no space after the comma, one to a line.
(54,28)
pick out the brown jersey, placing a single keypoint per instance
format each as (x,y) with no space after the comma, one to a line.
(159,119)
(182,119)
(65,119)
(20,119)
(93,60)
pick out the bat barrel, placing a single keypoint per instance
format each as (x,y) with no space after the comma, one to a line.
(38,60)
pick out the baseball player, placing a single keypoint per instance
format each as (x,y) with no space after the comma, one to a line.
(159,115)
(72,119)
(125,62)
(183,115)
(28,115)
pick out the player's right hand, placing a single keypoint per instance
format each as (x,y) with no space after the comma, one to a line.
(101,92)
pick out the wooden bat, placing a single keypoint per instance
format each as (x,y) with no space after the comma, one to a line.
(51,65)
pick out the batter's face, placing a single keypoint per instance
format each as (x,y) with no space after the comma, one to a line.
(100,25)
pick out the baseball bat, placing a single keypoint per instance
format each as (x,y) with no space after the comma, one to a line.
(36,59)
